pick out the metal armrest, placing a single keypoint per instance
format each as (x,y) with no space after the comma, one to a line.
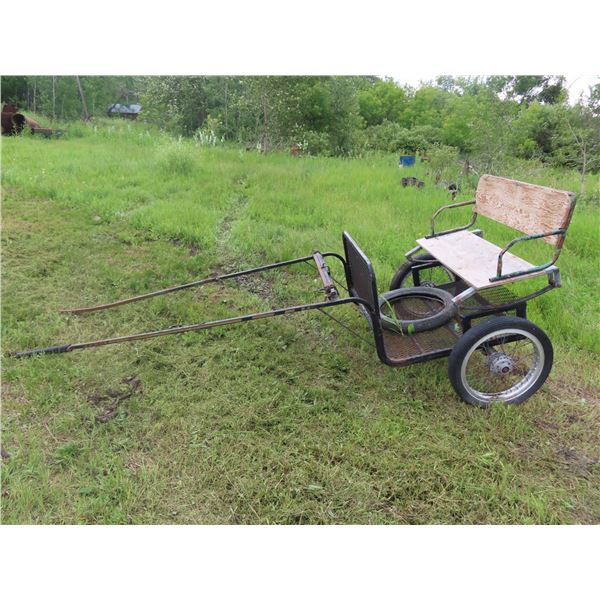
(524,238)
(443,208)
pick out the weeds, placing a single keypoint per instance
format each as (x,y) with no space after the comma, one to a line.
(176,159)
(284,421)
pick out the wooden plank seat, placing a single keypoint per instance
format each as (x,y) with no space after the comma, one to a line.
(539,212)
(472,258)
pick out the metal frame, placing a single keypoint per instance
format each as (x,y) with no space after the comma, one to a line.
(368,305)
(191,284)
(442,209)
(520,309)
(519,305)
(562,232)
(524,238)
(331,293)
(552,272)
(362,290)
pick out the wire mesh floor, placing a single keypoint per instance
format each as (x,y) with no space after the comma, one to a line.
(407,348)
(400,347)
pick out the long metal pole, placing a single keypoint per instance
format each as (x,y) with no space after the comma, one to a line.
(184,286)
(186,328)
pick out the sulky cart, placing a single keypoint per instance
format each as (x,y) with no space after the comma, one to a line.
(451,297)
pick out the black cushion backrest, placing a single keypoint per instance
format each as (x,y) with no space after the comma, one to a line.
(361,277)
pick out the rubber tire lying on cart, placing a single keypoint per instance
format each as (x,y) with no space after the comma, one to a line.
(432,321)
(485,343)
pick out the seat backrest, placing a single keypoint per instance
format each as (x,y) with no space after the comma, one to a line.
(361,277)
(525,207)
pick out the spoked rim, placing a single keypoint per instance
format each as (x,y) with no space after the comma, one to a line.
(431,276)
(500,369)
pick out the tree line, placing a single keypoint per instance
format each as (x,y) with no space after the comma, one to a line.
(483,118)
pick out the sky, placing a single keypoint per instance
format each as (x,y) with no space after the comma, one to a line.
(576,85)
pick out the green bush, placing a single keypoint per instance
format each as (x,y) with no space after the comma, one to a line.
(392,137)
(315,142)
(444,163)
(210,134)
(77,129)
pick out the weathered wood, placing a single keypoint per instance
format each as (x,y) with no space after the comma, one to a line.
(472,258)
(523,206)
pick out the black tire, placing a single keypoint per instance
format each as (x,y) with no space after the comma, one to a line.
(426,323)
(435,275)
(494,346)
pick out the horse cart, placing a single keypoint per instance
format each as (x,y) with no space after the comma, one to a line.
(452,297)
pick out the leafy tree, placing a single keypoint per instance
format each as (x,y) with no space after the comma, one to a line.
(457,122)
(14,89)
(315,106)
(178,104)
(58,96)
(382,101)
(392,137)
(578,145)
(461,85)
(426,107)
(491,126)
(536,129)
(484,119)
(345,124)
(594,100)
(546,89)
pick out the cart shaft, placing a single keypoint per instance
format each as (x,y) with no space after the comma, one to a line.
(188,328)
(185,286)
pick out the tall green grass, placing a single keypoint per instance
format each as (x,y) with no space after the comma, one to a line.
(179,190)
(287,421)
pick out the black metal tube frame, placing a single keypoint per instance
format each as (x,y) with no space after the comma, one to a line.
(371,312)
(443,208)
(186,286)
(536,269)
(330,290)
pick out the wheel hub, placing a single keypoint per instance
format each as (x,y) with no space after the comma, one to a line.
(500,364)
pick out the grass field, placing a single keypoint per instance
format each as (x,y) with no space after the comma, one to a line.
(289,420)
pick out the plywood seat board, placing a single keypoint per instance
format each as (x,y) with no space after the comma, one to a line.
(472,258)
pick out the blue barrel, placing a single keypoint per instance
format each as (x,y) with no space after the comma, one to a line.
(407,161)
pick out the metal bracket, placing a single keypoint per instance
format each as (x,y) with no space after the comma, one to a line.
(553,273)
(328,286)
(464,295)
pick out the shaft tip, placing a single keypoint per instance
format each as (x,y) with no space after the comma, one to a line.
(48,350)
